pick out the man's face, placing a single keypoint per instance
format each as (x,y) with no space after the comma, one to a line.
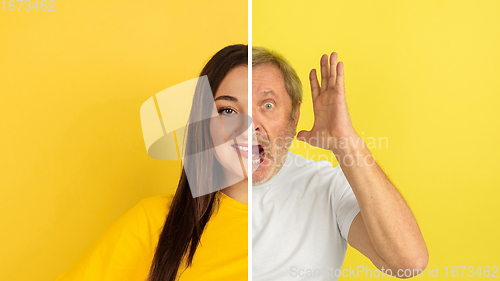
(271,111)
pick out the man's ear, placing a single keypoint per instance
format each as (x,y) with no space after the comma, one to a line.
(297,114)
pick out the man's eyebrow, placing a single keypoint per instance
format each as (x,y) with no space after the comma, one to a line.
(268,93)
(228,98)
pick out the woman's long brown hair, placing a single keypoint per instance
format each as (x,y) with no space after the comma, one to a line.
(188,216)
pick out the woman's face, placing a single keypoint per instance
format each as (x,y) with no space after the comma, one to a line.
(230,131)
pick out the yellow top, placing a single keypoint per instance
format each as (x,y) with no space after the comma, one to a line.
(126,249)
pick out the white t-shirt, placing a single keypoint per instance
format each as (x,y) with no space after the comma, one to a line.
(301,220)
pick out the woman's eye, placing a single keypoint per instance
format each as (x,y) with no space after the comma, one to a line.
(268,105)
(226,111)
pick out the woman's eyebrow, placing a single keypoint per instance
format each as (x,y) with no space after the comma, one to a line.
(228,98)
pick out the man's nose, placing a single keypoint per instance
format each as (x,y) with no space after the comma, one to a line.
(256,121)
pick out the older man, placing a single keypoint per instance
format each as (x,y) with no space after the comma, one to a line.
(306,212)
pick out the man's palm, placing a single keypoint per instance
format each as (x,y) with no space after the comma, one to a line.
(331,117)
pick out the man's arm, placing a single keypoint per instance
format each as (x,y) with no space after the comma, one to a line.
(385,230)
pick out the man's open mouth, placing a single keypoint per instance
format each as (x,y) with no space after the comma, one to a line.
(258,153)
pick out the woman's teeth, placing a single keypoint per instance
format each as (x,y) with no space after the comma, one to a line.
(244,148)
(257,152)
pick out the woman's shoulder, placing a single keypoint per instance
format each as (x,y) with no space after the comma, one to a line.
(159,200)
(156,208)
(123,252)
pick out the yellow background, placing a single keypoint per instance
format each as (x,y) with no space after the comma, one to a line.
(424,75)
(71,84)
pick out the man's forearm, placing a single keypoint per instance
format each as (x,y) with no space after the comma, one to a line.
(389,221)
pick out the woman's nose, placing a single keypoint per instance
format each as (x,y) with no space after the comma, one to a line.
(236,126)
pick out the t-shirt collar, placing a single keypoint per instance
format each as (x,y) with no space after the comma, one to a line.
(279,175)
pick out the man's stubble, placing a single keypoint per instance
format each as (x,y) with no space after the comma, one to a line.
(278,150)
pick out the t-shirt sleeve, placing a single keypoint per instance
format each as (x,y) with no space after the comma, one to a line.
(122,253)
(346,205)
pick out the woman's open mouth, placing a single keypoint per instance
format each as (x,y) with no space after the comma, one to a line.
(258,154)
(241,150)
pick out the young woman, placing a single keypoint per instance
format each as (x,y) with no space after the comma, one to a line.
(185,237)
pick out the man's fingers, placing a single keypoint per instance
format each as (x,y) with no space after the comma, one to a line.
(340,75)
(314,84)
(333,71)
(324,73)
(308,137)
(304,136)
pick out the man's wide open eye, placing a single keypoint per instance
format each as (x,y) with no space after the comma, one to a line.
(268,105)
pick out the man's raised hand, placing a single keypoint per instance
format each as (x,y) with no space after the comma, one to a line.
(331,117)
